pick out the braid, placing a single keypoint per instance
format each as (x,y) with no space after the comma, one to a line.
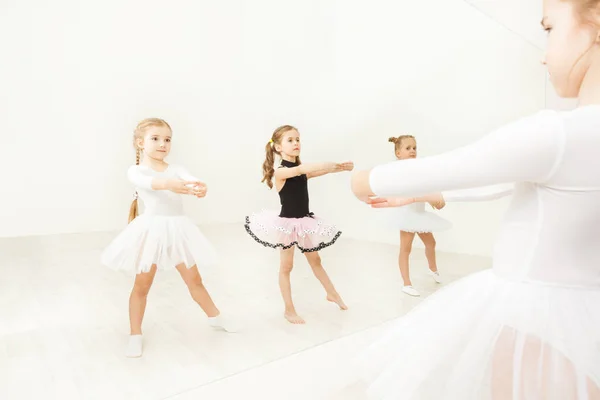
(138,133)
(133,209)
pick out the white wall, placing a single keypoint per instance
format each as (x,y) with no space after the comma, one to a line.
(348,73)
(224,74)
(521,17)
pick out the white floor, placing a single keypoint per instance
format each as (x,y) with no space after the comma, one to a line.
(64,321)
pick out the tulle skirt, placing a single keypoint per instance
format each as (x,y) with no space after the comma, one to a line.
(409,219)
(309,234)
(487,338)
(162,240)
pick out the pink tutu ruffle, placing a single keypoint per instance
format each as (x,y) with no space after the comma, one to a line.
(309,234)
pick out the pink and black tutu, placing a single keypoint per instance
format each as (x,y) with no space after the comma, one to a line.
(309,233)
(295,225)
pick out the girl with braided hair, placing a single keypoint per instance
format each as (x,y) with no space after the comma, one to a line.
(529,327)
(163,237)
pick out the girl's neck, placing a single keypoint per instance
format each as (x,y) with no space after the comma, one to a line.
(158,165)
(589,93)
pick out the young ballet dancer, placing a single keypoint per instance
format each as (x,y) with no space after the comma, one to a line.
(413,219)
(163,237)
(529,327)
(295,225)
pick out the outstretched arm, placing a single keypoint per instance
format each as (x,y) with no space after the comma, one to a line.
(528,150)
(438,201)
(485,193)
(198,187)
(345,166)
(307,169)
(145,180)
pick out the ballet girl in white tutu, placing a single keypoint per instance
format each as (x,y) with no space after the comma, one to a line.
(529,327)
(413,219)
(163,237)
(295,225)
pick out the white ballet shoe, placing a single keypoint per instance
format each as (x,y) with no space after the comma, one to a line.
(435,275)
(134,347)
(219,322)
(410,291)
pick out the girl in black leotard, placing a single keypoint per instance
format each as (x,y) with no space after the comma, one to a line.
(295,225)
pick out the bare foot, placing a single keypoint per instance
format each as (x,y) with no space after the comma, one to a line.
(293,318)
(337,299)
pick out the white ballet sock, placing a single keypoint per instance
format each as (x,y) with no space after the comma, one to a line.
(220,322)
(134,347)
(411,291)
(436,276)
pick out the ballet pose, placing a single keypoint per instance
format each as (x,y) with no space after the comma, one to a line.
(413,219)
(163,237)
(529,327)
(295,225)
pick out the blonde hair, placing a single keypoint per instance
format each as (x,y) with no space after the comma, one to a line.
(269,164)
(398,141)
(588,10)
(138,134)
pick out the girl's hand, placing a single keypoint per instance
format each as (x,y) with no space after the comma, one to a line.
(346,166)
(200,189)
(360,186)
(331,168)
(181,186)
(435,200)
(439,204)
(387,202)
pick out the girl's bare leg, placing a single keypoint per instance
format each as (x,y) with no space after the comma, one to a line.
(194,283)
(137,308)
(193,280)
(314,259)
(406,242)
(286,264)
(429,242)
(137,299)
(523,365)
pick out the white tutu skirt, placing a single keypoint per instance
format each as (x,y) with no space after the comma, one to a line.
(309,234)
(487,338)
(414,218)
(166,241)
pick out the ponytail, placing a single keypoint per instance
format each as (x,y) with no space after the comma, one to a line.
(269,165)
(133,209)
